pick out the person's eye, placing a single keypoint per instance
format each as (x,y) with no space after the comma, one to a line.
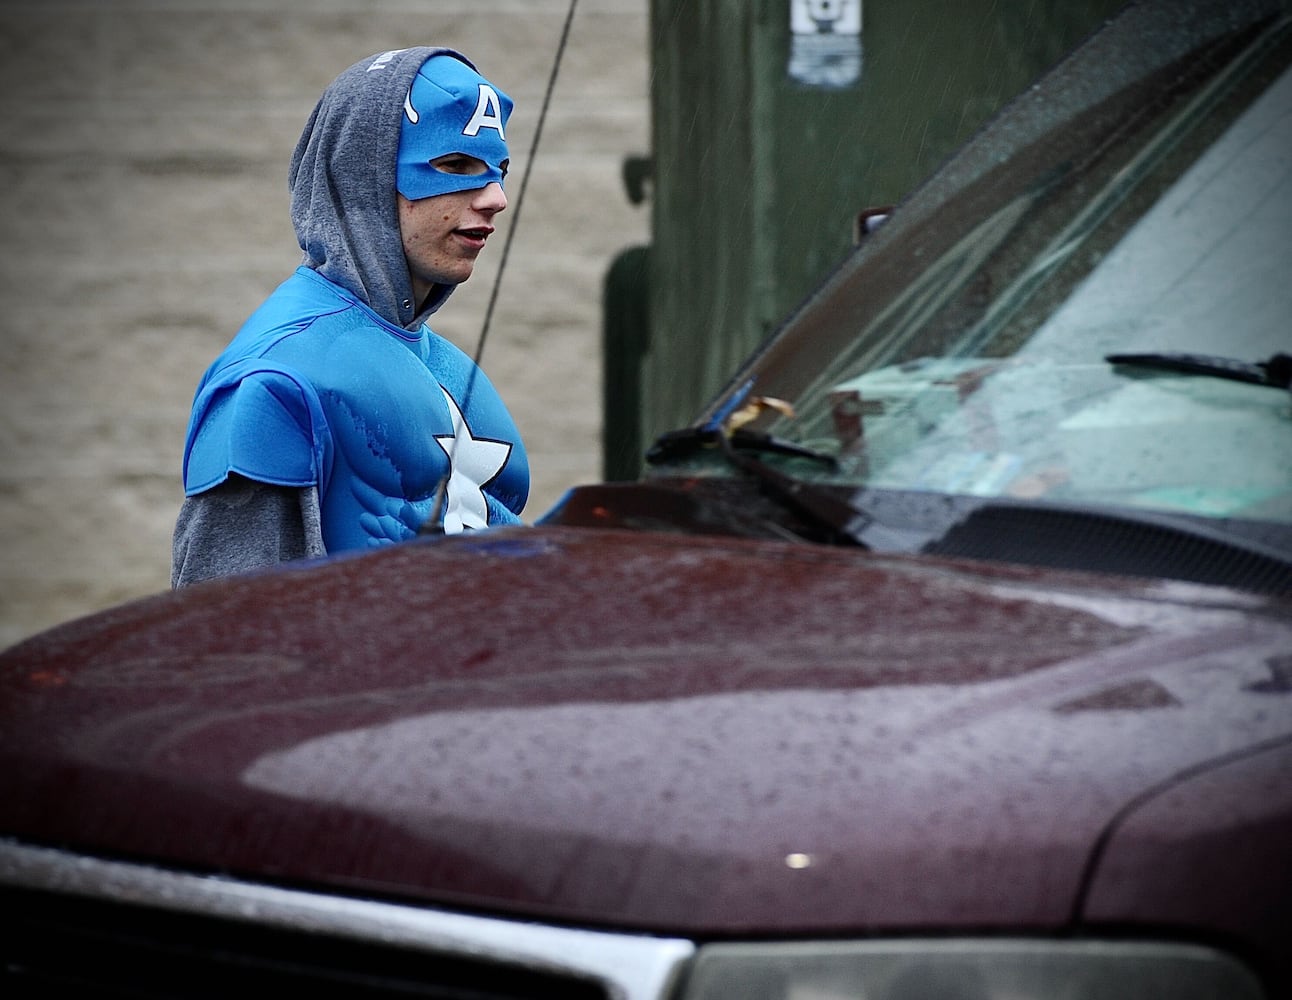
(456,163)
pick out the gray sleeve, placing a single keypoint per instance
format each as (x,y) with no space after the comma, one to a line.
(242,525)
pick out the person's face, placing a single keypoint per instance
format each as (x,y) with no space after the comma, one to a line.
(444,234)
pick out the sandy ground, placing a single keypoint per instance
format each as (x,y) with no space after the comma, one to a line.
(143,155)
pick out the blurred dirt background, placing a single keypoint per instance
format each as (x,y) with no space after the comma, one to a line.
(143,163)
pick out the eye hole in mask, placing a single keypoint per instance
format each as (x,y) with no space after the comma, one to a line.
(462,165)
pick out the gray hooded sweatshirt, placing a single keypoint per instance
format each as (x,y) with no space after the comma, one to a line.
(342,181)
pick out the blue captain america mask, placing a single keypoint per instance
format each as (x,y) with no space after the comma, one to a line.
(450,108)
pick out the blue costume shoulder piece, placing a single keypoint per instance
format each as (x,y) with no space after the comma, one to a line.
(317,390)
(261,422)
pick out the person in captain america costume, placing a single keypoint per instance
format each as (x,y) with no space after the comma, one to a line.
(336,419)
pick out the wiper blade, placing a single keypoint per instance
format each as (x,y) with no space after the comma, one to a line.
(689,440)
(1276,372)
(843,523)
(839,522)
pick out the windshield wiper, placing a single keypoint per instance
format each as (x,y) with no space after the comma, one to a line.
(689,440)
(1276,372)
(840,523)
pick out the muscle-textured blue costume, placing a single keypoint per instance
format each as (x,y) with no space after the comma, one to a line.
(336,416)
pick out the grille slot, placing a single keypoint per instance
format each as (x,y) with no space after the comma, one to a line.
(66,945)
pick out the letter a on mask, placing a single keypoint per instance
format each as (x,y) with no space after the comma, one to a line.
(488,113)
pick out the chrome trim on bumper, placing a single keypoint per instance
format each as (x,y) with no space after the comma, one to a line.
(630,967)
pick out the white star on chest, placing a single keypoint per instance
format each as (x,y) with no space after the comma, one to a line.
(473,464)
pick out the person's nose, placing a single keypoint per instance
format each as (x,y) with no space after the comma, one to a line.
(491,200)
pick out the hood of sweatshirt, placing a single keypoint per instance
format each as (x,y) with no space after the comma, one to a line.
(342,183)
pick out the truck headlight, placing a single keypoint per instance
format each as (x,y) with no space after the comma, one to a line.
(958,969)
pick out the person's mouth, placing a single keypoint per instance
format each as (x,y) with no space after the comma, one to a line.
(475,236)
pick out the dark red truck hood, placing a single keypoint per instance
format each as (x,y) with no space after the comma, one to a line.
(695,735)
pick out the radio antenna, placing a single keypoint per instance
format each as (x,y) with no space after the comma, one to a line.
(524,183)
(434,522)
